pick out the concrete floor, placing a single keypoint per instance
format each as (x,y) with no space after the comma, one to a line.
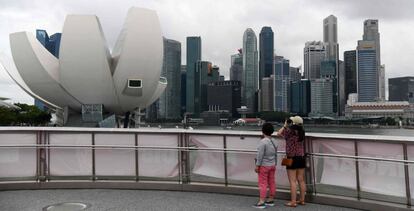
(104,199)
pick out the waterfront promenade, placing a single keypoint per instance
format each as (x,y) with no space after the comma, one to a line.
(133,200)
(41,166)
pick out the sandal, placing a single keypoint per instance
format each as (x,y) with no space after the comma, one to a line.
(291,204)
(300,202)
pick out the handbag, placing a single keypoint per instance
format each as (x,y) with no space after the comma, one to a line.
(287,161)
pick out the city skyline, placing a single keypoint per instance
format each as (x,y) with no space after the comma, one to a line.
(222,29)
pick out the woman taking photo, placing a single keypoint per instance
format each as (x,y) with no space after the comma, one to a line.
(266,160)
(294,134)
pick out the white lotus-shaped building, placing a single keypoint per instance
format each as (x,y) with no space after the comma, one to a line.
(86,72)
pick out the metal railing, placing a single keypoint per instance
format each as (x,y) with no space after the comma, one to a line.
(189,145)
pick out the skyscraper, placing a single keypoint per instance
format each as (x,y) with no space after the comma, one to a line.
(328,71)
(401,89)
(330,37)
(193,55)
(314,52)
(229,98)
(281,84)
(266,45)
(267,93)
(168,106)
(350,72)
(371,33)
(183,88)
(321,97)
(300,97)
(250,70)
(52,44)
(381,81)
(236,68)
(294,73)
(205,73)
(367,72)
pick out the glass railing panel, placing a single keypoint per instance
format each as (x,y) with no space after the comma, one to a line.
(158,164)
(207,166)
(17,163)
(70,162)
(115,163)
(382,181)
(333,175)
(240,165)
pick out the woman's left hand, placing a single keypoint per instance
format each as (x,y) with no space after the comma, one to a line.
(257,169)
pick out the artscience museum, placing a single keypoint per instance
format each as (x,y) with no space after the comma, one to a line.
(87,79)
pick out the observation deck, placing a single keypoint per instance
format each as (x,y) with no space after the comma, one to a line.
(176,169)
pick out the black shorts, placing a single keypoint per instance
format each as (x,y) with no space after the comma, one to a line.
(299,162)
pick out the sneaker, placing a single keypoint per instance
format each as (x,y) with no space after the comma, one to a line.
(270,203)
(259,206)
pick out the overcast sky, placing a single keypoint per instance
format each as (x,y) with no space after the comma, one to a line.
(221,24)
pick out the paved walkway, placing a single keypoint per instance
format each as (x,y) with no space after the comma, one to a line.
(123,200)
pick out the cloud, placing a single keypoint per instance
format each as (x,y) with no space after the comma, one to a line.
(221,24)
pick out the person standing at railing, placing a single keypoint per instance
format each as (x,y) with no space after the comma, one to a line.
(294,134)
(266,160)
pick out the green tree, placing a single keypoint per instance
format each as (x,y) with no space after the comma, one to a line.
(26,115)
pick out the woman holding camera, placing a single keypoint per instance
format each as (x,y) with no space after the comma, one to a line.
(294,134)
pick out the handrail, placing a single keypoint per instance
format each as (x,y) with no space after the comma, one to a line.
(198,149)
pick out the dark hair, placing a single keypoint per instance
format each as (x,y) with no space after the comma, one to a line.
(268,129)
(299,131)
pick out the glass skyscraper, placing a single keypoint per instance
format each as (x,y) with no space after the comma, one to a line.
(300,97)
(193,56)
(281,84)
(250,70)
(367,72)
(371,33)
(52,44)
(168,106)
(266,48)
(350,72)
(314,53)
(236,68)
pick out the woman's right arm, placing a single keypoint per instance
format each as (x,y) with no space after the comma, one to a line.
(281,130)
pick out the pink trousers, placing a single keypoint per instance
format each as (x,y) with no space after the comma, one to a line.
(267,180)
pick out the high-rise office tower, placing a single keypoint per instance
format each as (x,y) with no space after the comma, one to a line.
(295,74)
(372,35)
(266,49)
(183,88)
(341,88)
(224,95)
(381,81)
(168,106)
(52,44)
(205,73)
(267,93)
(281,84)
(328,71)
(367,72)
(350,72)
(330,37)
(236,68)
(193,56)
(300,97)
(401,89)
(314,52)
(250,70)
(321,97)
